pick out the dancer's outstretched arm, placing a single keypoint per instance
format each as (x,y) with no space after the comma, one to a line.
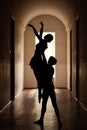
(41,30)
(35,31)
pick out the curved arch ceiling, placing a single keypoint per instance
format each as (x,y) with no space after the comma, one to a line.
(28,9)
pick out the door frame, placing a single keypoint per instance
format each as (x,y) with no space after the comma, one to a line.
(77,58)
(70,60)
(12,59)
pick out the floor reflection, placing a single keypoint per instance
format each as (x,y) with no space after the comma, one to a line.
(21,113)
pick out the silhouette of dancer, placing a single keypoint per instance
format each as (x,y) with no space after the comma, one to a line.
(48,89)
(44,72)
(36,62)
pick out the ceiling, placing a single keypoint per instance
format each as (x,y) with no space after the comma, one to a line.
(26,10)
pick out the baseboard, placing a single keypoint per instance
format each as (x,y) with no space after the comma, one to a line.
(5,107)
(83,106)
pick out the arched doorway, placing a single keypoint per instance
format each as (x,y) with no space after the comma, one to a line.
(51,24)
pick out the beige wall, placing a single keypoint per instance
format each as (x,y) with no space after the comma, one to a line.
(51,24)
(19,56)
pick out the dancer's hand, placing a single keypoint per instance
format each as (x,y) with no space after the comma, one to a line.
(30,25)
(41,23)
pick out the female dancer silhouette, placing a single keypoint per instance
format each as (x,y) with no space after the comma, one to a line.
(36,62)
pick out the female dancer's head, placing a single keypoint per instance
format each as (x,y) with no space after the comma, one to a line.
(48,38)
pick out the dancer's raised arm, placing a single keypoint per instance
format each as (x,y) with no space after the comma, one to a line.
(41,30)
(39,36)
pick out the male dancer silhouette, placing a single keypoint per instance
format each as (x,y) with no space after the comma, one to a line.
(48,89)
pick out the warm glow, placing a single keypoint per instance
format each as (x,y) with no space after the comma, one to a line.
(50,51)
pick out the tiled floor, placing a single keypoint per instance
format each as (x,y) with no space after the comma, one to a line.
(21,113)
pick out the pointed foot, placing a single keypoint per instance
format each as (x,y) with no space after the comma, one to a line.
(39,122)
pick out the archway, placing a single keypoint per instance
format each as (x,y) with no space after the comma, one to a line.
(51,24)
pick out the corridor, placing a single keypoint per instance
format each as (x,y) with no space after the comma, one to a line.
(25,109)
